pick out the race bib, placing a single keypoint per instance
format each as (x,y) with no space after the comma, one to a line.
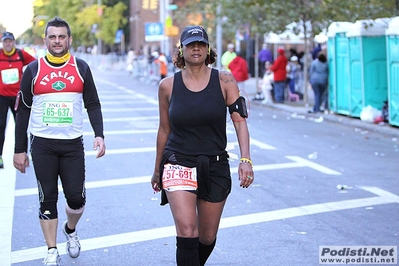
(57,113)
(177,177)
(10,76)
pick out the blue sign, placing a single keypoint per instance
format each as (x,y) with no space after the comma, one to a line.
(172,7)
(118,36)
(154,31)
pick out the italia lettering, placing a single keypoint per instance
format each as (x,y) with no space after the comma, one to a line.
(53,75)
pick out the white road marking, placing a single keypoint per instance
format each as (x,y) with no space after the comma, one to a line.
(7,188)
(383,197)
(124,132)
(261,144)
(132,110)
(146,131)
(313,165)
(127,119)
(125,102)
(92,184)
(146,179)
(298,162)
(117,96)
(122,151)
(129,91)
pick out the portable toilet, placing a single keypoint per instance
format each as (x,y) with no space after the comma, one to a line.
(392,48)
(338,67)
(367,64)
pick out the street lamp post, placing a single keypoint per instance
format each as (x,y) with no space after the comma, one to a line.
(164,12)
(219,35)
(99,41)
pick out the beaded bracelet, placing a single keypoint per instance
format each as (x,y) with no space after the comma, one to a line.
(246,160)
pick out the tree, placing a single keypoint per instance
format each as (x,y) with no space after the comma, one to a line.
(2,28)
(87,21)
(112,21)
(66,9)
(81,15)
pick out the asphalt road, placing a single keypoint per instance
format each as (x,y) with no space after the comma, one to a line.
(317,183)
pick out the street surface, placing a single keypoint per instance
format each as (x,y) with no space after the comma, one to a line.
(317,183)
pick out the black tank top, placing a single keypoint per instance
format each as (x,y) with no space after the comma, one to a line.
(197,119)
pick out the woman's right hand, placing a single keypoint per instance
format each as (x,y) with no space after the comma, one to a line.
(155,183)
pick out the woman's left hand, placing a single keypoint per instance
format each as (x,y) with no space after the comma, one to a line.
(245,174)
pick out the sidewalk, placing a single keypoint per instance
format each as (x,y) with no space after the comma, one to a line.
(301,108)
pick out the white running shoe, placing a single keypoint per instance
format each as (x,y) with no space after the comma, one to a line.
(72,244)
(53,258)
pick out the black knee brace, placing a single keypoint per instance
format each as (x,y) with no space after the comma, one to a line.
(48,211)
(76,204)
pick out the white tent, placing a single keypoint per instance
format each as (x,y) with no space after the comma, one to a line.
(286,37)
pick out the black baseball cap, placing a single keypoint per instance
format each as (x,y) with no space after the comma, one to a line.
(193,34)
(7,35)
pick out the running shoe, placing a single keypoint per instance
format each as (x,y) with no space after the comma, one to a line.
(72,244)
(53,258)
(1,163)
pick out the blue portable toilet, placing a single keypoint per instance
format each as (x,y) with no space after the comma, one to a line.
(367,64)
(392,48)
(338,65)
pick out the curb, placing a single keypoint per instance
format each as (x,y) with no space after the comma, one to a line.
(301,109)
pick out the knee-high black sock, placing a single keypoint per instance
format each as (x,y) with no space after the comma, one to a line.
(204,251)
(187,251)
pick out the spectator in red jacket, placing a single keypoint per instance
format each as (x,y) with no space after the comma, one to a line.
(280,75)
(239,69)
(12,62)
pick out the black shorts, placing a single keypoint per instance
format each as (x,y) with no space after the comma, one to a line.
(217,185)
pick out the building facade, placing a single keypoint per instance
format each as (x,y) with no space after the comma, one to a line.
(147,19)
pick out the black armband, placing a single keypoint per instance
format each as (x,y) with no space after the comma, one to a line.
(240,107)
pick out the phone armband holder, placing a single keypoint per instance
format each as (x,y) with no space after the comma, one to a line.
(240,107)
